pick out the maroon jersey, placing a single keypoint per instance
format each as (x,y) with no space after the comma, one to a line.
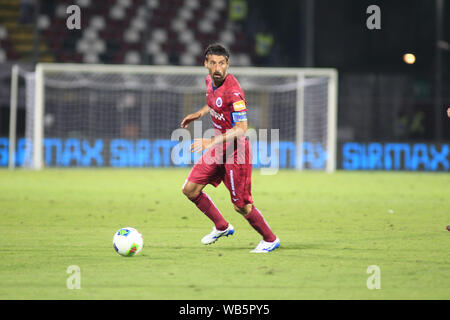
(227,103)
(230,162)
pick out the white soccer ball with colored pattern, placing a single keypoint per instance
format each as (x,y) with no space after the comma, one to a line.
(128,242)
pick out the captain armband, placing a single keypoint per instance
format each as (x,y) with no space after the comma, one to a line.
(239,116)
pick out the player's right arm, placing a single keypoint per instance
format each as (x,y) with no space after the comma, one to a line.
(194,116)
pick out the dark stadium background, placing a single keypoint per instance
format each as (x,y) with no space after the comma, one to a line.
(381,98)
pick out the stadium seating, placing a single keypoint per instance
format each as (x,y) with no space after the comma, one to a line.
(124,31)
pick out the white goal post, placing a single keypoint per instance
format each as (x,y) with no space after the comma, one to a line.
(300,102)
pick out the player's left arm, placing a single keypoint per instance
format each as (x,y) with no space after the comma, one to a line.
(239,118)
(239,129)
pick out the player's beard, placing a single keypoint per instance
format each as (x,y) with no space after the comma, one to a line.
(218,78)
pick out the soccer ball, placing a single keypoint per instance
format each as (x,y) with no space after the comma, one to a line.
(128,242)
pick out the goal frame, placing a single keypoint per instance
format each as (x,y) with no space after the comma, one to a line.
(300,73)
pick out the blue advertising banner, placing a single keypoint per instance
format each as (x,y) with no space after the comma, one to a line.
(394,156)
(74,152)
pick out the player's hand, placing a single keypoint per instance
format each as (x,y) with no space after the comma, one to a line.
(189,118)
(448,112)
(201,144)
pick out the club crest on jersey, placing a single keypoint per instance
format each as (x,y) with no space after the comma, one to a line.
(219,102)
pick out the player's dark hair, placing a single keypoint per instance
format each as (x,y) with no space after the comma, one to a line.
(217,50)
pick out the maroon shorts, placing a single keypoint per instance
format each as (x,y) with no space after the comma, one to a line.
(229,164)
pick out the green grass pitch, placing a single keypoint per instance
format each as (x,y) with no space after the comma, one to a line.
(332,228)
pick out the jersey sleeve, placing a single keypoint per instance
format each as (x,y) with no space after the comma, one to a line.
(238,102)
(238,107)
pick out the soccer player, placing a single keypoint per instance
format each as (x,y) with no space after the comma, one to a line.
(228,154)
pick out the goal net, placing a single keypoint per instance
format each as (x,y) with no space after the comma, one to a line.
(125,116)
